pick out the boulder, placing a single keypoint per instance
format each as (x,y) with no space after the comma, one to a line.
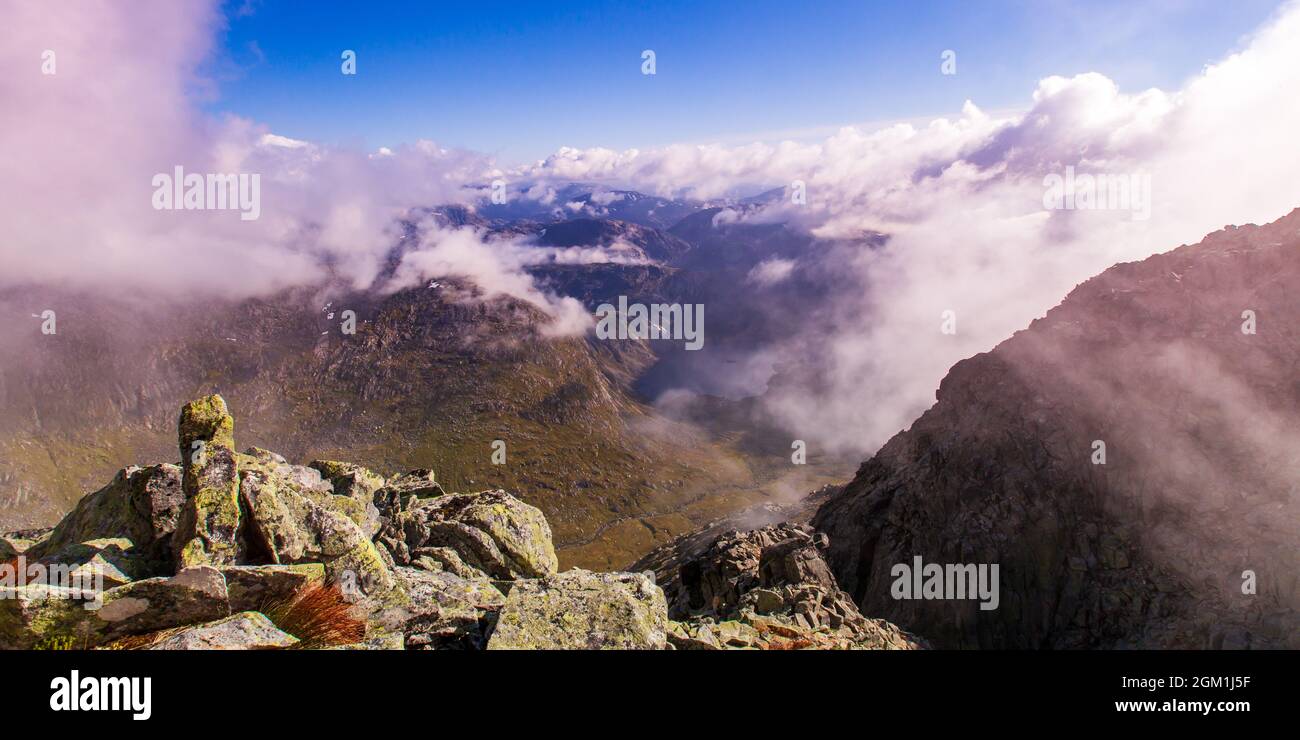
(813,616)
(443,559)
(444,611)
(578,610)
(692,636)
(417,484)
(307,481)
(383,641)
(113,562)
(490,531)
(734,633)
(288,527)
(738,561)
(208,526)
(766,588)
(354,489)
(248,630)
(193,595)
(353,481)
(141,505)
(34,613)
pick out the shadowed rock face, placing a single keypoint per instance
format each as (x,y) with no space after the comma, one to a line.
(762,587)
(1196,501)
(142,504)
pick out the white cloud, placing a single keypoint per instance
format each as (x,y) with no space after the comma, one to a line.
(960,197)
(962,202)
(496,267)
(771,271)
(282,141)
(88,140)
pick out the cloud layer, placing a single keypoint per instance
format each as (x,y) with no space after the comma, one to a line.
(963,203)
(961,198)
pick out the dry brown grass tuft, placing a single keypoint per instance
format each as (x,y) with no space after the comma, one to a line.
(318,617)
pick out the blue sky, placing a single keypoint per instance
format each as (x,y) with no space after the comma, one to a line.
(520,79)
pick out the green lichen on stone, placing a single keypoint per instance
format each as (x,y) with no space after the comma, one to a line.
(212,515)
(206,419)
(208,527)
(56,642)
(299,526)
(36,612)
(580,610)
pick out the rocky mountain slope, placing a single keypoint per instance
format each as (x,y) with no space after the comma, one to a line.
(1185,367)
(431,377)
(231,550)
(434,375)
(649,243)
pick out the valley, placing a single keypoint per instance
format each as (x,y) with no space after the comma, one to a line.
(428,376)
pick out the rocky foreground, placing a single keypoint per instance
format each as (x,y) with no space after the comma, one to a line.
(233,550)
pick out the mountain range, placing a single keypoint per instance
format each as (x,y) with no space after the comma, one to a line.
(1128,461)
(434,375)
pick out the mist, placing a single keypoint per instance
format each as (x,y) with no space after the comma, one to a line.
(970,247)
(124,103)
(962,203)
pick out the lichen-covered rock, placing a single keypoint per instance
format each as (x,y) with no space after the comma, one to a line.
(307,481)
(287,527)
(380,641)
(193,595)
(32,613)
(140,504)
(255,587)
(734,633)
(113,562)
(35,612)
(578,610)
(354,490)
(208,527)
(247,630)
(397,497)
(767,588)
(813,616)
(444,611)
(738,562)
(692,636)
(348,479)
(443,559)
(303,479)
(420,483)
(491,531)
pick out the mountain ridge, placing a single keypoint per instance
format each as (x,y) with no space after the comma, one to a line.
(1195,497)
